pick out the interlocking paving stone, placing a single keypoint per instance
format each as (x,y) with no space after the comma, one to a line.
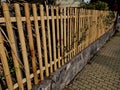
(104,72)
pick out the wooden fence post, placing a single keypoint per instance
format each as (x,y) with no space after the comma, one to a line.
(58,37)
(54,38)
(49,39)
(12,41)
(76,31)
(44,39)
(5,64)
(65,44)
(61,26)
(31,43)
(68,32)
(38,41)
(23,45)
(80,31)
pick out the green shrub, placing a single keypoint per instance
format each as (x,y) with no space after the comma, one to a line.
(99,5)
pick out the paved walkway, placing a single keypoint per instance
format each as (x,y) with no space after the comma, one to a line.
(104,72)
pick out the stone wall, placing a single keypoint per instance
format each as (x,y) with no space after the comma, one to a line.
(65,74)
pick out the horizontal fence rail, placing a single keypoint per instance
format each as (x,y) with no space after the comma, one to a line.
(35,41)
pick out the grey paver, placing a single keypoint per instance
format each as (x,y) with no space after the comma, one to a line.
(104,72)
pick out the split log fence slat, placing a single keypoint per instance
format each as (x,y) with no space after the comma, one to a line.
(37,40)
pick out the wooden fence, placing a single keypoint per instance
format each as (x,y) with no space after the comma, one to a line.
(35,41)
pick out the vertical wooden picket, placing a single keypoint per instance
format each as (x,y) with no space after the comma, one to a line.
(68,32)
(102,29)
(93,34)
(70,46)
(44,39)
(58,37)
(79,19)
(65,44)
(72,31)
(12,41)
(61,24)
(38,41)
(23,45)
(80,30)
(89,27)
(82,24)
(84,43)
(49,39)
(5,64)
(97,24)
(75,32)
(54,38)
(31,43)
(100,23)
(86,28)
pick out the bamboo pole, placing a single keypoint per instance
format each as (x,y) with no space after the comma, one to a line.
(38,41)
(5,64)
(23,46)
(49,39)
(11,38)
(61,24)
(58,37)
(44,39)
(31,43)
(65,44)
